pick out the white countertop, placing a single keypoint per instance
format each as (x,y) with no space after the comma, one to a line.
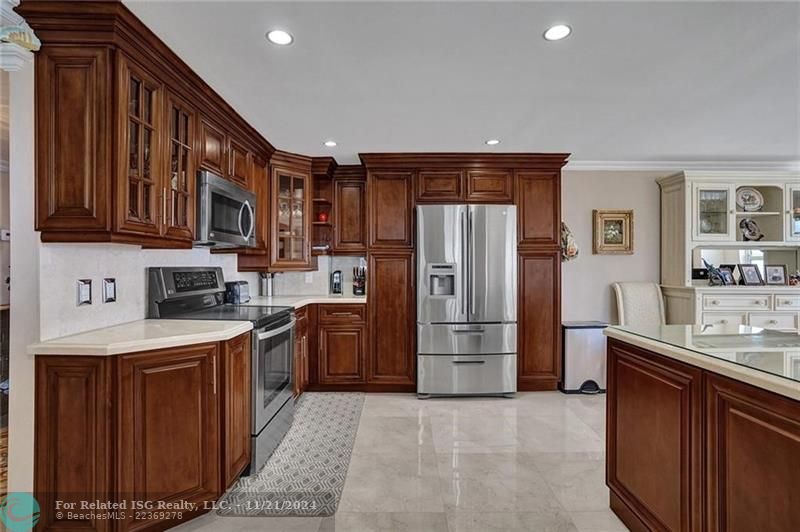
(301,301)
(142,335)
(772,383)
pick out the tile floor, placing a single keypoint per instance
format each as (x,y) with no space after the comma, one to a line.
(534,463)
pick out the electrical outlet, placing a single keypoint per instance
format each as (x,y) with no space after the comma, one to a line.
(109,290)
(309,278)
(84,292)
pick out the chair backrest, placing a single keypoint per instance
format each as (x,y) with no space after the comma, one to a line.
(639,304)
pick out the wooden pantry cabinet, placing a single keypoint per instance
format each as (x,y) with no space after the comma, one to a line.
(122,126)
(170,426)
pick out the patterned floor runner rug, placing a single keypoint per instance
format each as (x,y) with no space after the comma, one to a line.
(306,473)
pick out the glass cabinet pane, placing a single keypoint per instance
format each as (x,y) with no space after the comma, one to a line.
(285,187)
(713,211)
(147,141)
(147,116)
(133,149)
(297,218)
(794,215)
(135,90)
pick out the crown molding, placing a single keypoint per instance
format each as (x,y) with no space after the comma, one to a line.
(677,166)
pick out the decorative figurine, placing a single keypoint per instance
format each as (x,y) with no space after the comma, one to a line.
(715,277)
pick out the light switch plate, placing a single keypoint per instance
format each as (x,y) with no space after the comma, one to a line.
(84,292)
(109,290)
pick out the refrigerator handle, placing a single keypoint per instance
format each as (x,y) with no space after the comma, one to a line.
(471,267)
(464,272)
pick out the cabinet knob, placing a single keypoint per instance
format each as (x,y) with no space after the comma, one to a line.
(786,302)
(758,302)
(715,302)
(723,322)
(773,322)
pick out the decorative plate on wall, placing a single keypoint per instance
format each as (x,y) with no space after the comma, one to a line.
(749,199)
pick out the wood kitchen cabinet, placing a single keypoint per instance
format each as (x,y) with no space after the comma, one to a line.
(342,344)
(392,318)
(165,425)
(122,125)
(489,186)
(350,217)
(169,444)
(390,203)
(236,380)
(539,318)
(655,467)
(290,208)
(539,208)
(440,186)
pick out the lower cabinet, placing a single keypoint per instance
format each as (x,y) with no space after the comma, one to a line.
(690,450)
(392,320)
(170,426)
(539,320)
(341,354)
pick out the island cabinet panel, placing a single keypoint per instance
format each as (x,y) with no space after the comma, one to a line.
(392,317)
(490,186)
(350,217)
(539,320)
(236,407)
(437,186)
(539,208)
(753,458)
(168,423)
(73,437)
(654,441)
(73,138)
(390,198)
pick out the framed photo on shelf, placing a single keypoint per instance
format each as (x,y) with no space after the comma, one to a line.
(727,277)
(613,232)
(750,275)
(776,274)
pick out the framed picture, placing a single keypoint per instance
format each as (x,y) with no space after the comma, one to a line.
(776,274)
(727,276)
(613,232)
(750,275)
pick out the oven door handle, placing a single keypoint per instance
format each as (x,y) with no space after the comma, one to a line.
(276,332)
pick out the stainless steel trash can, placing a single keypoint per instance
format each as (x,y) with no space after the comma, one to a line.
(583,357)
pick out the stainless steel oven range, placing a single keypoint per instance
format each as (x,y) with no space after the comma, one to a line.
(198,293)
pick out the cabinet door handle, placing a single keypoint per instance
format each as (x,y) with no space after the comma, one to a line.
(341,313)
(214,373)
(164,207)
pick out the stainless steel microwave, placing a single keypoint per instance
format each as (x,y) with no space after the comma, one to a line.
(225,213)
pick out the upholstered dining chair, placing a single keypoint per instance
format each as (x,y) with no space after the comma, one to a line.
(639,304)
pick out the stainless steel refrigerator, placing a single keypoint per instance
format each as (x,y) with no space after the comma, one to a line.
(466,300)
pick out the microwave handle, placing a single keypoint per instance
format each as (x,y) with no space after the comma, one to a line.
(246,205)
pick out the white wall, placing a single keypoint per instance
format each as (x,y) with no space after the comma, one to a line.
(586,281)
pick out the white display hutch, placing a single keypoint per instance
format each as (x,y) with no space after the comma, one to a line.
(699,212)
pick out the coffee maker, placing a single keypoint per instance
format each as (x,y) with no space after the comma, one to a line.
(336,283)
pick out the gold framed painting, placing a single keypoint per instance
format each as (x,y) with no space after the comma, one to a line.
(613,232)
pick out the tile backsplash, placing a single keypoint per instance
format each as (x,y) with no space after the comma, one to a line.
(63,264)
(318,282)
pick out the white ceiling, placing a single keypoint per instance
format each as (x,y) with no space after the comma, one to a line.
(663,81)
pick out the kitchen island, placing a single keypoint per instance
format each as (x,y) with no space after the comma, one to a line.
(703,428)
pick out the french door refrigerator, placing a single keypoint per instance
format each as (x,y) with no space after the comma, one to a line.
(466,300)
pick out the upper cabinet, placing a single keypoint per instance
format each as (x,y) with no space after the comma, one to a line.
(390,209)
(117,142)
(713,207)
(490,186)
(539,208)
(440,186)
(291,188)
(350,211)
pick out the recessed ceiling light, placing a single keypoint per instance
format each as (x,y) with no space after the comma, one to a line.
(280,37)
(330,143)
(493,142)
(557,32)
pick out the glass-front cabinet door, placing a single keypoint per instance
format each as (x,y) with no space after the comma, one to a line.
(138,193)
(714,214)
(793,212)
(291,223)
(178,190)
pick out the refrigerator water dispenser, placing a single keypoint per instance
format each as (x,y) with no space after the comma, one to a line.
(442,280)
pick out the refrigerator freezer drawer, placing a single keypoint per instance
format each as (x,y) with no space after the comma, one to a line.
(467,339)
(466,375)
